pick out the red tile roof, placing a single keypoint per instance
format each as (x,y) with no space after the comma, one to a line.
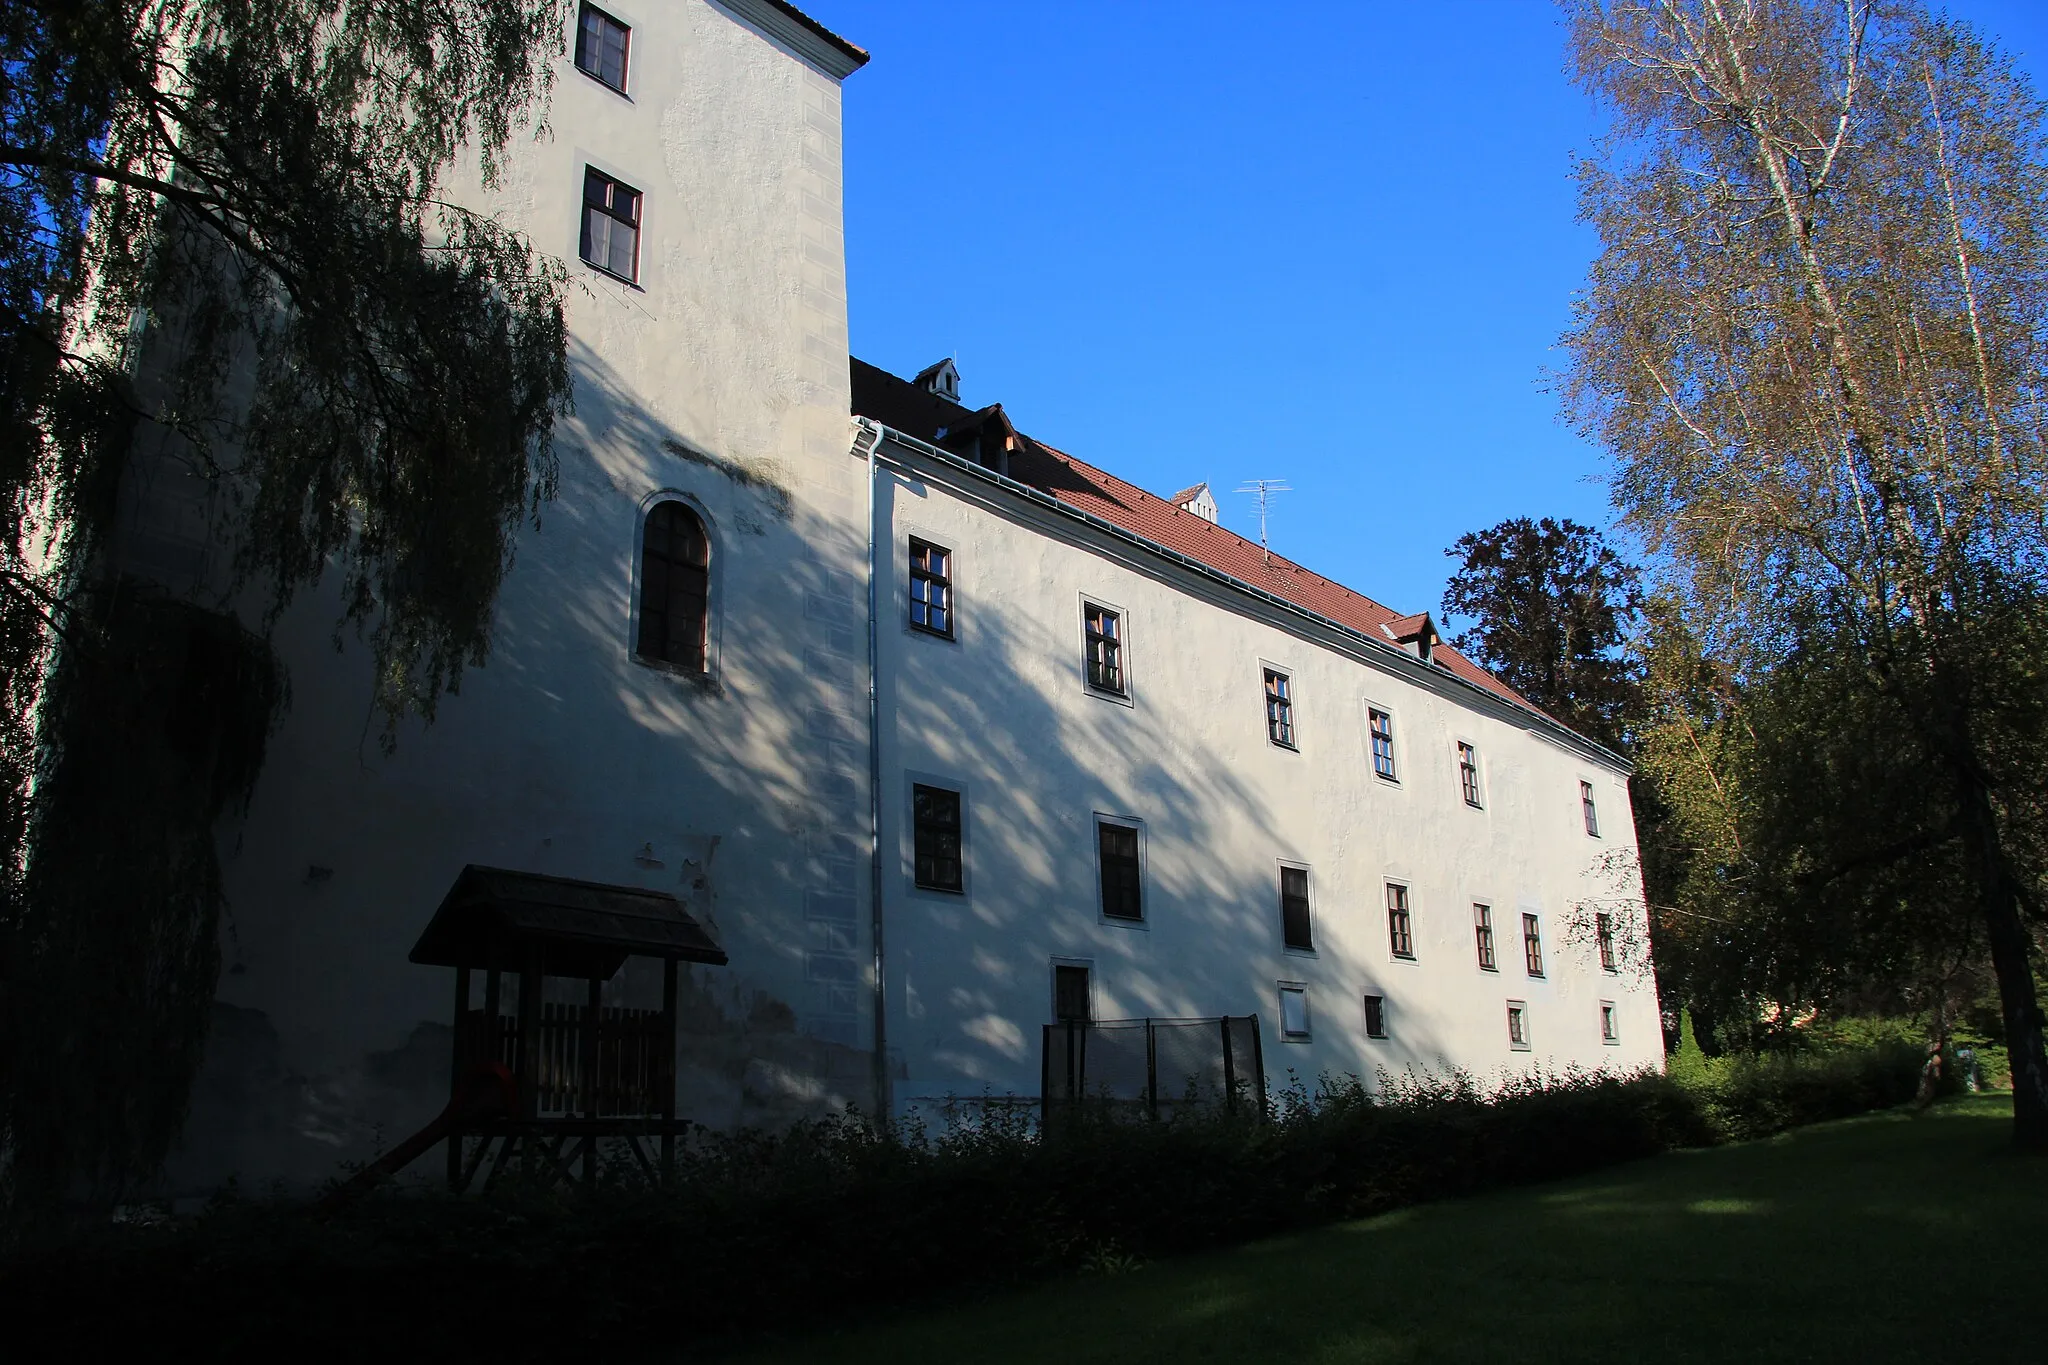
(897,403)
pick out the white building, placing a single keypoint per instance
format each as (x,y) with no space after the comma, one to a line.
(1081,686)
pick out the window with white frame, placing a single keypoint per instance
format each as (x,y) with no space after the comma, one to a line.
(1482,930)
(1532,944)
(611,225)
(1279,708)
(601,46)
(1586,805)
(1518,1025)
(1468,773)
(1072,993)
(1610,1029)
(931,588)
(1381,725)
(1400,924)
(1294,1011)
(1103,641)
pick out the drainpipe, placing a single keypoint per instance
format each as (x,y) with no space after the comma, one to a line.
(868,439)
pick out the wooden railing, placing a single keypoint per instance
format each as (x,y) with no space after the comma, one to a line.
(635,1059)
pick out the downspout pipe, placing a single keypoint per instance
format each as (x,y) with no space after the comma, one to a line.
(868,441)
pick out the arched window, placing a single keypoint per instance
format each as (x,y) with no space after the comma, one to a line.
(675,586)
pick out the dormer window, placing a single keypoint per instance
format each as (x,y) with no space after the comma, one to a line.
(941,380)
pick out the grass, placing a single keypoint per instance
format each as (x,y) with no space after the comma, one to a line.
(1895,1237)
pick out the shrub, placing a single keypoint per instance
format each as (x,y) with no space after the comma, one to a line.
(831,1218)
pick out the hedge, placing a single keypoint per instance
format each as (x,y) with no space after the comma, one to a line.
(834,1218)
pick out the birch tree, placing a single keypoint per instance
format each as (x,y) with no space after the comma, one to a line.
(1813,345)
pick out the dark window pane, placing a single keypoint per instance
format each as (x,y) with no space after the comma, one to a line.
(1294,926)
(935,837)
(1468,773)
(1070,994)
(1375,1016)
(1104,650)
(1400,930)
(675,584)
(610,239)
(1279,708)
(1122,892)
(1592,814)
(601,47)
(1532,945)
(1603,928)
(1482,927)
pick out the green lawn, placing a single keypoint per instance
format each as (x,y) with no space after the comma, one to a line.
(1888,1238)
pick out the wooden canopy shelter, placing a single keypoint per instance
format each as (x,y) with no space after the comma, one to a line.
(578,1074)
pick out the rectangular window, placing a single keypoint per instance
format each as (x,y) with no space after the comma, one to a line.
(1482,928)
(1279,708)
(1122,892)
(1294,908)
(1070,994)
(931,588)
(1586,804)
(1375,1016)
(1518,1026)
(1468,773)
(601,43)
(1610,1031)
(611,225)
(935,837)
(1382,726)
(1400,930)
(1105,647)
(1603,934)
(1293,1012)
(1532,945)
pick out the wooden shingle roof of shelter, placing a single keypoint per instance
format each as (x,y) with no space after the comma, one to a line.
(496,917)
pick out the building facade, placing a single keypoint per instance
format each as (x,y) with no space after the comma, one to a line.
(1124,766)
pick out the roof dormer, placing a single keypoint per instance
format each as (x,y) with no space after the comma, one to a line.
(1417,634)
(942,379)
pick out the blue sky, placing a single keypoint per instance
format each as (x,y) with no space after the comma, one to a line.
(1327,243)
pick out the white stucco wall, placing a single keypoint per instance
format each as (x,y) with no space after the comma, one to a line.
(1003,713)
(720,378)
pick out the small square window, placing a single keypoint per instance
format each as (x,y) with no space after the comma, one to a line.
(1400,926)
(1518,1025)
(1293,1012)
(601,45)
(611,225)
(1279,708)
(1482,929)
(1586,804)
(1382,727)
(931,588)
(1104,645)
(1072,997)
(1532,944)
(1121,870)
(1294,926)
(1468,774)
(1603,934)
(1375,1016)
(1610,1030)
(935,838)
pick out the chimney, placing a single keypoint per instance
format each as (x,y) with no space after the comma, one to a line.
(1196,500)
(942,379)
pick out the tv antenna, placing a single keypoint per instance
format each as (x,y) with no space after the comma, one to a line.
(1262,491)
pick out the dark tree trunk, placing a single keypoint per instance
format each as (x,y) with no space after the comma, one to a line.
(2011,959)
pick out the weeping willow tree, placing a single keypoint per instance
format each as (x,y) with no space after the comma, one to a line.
(223,236)
(1814,344)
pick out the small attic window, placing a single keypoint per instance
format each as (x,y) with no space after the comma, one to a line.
(942,379)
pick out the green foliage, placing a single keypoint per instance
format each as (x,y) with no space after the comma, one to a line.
(224,241)
(1550,605)
(834,1217)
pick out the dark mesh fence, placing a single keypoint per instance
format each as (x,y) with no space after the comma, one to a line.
(1154,1066)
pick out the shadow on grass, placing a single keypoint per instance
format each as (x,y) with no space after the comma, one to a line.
(1891,1237)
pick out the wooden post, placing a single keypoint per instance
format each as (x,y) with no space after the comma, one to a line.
(526,1069)
(590,1088)
(459,1066)
(668,1070)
